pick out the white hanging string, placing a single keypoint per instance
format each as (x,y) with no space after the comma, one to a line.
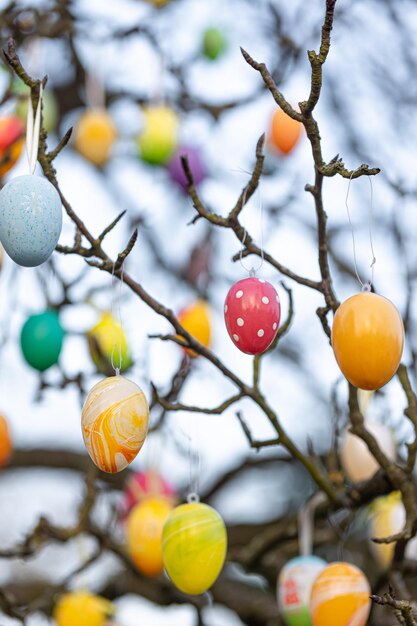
(306,523)
(117,337)
(95,95)
(252,270)
(33,127)
(367,286)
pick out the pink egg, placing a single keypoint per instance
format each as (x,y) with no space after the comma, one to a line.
(142,485)
(252,312)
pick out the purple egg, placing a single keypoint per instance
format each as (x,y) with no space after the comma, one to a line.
(195,162)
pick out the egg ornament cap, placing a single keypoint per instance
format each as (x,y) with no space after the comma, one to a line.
(295,581)
(252,312)
(194,544)
(114,423)
(368,340)
(340,596)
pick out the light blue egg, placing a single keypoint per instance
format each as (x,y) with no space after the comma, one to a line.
(30,219)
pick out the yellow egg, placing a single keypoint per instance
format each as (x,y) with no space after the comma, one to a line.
(144,534)
(94,135)
(357,462)
(114,423)
(158,139)
(194,543)
(105,338)
(82,608)
(196,320)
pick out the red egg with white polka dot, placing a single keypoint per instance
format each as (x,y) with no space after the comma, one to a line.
(252,312)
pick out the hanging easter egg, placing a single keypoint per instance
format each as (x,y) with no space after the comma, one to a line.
(143,485)
(252,312)
(285,132)
(6,445)
(50,111)
(368,340)
(340,596)
(144,534)
(194,543)
(41,340)
(158,139)
(94,135)
(196,321)
(295,581)
(114,423)
(158,3)
(11,142)
(30,219)
(195,162)
(107,337)
(387,518)
(214,43)
(357,462)
(83,609)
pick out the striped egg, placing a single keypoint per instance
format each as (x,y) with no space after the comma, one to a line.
(114,423)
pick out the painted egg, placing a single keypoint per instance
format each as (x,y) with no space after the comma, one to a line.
(386,518)
(158,139)
(6,445)
(196,321)
(194,544)
(143,485)
(340,596)
(30,219)
(11,142)
(195,162)
(144,534)
(285,132)
(114,423)
(94,135)
(294,588)
(357,462)
(252,312)
(41,340)
(102,339)
(158,3)
(368,340)
(214,43)
(82,608)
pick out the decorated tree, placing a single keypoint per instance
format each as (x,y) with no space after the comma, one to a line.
(211,416)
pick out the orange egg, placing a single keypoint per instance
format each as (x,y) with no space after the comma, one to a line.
(196,320)
(340,596)
(144,534)
(284,132)
(368,340)
(6,445)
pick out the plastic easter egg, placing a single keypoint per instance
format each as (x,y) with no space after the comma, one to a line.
(144,534)
(114,423)
(340,596)
(143,485)
(102,339)
(196,320)
(285,132)
(195,162)
(368,340)
(30,219)
(194,544)
(158,3)
(94,135)
(6,445)
(252,313)
(41,340)
(158,139)
(294,588)
(357,462)
(214,43)
(386,518)
(11,142)
(82,608)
